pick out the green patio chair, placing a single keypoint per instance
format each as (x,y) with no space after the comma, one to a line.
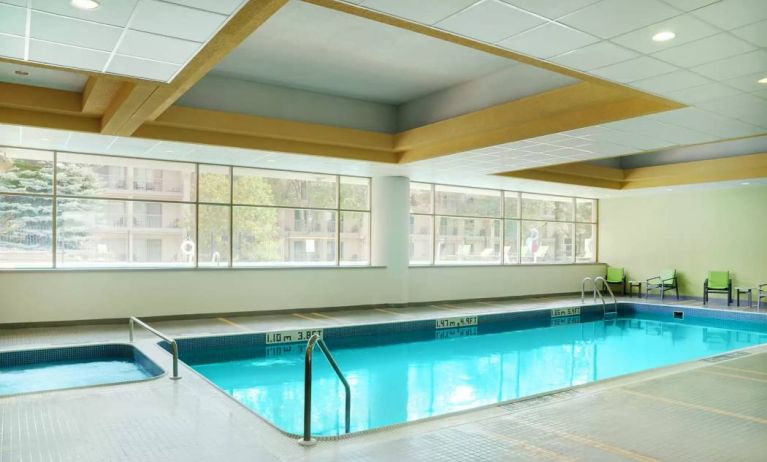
(616,276)
(718,282)
(663,282)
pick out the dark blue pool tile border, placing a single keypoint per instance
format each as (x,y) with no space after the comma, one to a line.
(705,313)
(104,351)
(487,323)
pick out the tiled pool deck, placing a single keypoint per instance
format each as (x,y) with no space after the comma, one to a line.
(697,411)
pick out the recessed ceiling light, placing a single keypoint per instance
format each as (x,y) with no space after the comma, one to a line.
(745,183)
(763,80)
(669,189)
(85,4)
(664,36)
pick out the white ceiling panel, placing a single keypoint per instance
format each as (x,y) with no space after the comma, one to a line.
(694,95)
(157,47)
(689,5)
(705,50)
(55,32)
(748,108)
(12,46)
(551,9)
(15,2)
(175,21)
(729,14)
(735,66)
(650,128)
(755,33)
(548,40)
(423,11)
(41,77)
(216,6)
(677,80)
(749,83)
(88,143)
(708,122)
(12,20)
(43,138)
(609,18)
(634,69)
(155,70)
(75,32)
(686,27)
(64,55)
(490,21)
(594,56)
(113,12)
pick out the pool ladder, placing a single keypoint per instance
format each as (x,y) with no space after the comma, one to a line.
(598,294)
(315,339)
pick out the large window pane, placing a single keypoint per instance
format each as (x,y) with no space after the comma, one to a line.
(355,238)
(547,242)
(125,178)
(453,200)
(268,236)
(285,189)
(541,207)
(355,193)
(421,239)
(510,204)
(585,243)
(26,171)
(586,210)
(468,240)
(421,200)
(511,242)
(116,233)
(26,228)
(213,236)
(215,184)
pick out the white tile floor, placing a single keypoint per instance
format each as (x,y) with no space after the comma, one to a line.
(696,411)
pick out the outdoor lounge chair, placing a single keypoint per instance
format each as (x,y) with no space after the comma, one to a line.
(719,282)
(761,292)
(665,281)
(616,276)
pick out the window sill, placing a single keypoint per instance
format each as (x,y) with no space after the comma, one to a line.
(498,265)
(162,270)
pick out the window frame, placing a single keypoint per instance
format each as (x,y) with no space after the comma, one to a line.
(54,196)
(519,218)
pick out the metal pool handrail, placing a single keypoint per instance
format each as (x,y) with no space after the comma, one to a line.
(173,344)
(609,290)
(314,340)
(583,289)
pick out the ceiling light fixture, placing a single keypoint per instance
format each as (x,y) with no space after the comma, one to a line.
(85,4)
(763,80)
(745,183)
(664,36)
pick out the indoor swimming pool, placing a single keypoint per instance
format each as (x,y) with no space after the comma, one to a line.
(406,371)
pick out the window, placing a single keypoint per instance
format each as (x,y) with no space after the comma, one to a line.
(66,210)
(459,225)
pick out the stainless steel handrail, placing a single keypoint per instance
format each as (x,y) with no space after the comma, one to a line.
(583,289)
(173,344)
(609,290)
(314,340)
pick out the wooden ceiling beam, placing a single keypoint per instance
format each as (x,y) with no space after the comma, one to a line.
(99,93)
(245,22)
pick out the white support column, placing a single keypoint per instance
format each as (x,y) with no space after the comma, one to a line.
(391,227)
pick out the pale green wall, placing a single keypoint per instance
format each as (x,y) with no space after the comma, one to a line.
(691,231)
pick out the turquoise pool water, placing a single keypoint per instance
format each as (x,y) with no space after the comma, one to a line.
(407,378)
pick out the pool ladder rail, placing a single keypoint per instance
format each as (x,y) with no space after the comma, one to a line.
(173,345)
(598,295)
(315,339)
